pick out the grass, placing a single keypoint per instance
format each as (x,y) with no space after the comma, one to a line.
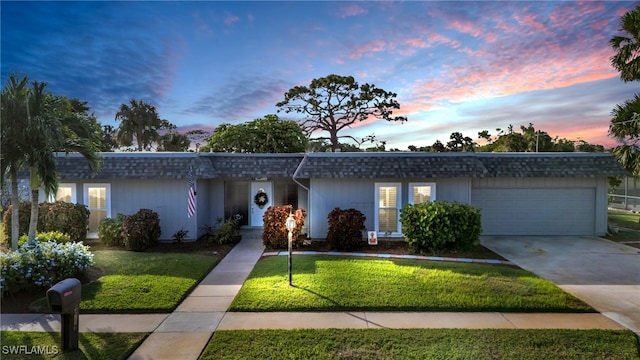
(624,219)
(143,282)
(91,345)
(324,283)
(422,344)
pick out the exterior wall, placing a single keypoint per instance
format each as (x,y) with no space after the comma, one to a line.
(209,202)
(166,197)
(598,185)
(327,194)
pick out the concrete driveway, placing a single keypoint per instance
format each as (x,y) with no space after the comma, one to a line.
(604,274)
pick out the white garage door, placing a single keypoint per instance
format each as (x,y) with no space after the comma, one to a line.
(536,211)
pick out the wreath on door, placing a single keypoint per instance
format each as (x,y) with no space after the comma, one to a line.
(261,199)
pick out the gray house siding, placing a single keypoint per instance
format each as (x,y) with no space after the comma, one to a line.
(327,194)
(210,202)
(541,206)
(161,196)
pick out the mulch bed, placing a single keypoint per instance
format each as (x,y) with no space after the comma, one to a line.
(19,303)
(400,248)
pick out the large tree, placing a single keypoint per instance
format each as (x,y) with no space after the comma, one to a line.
(460,143)
(627,46)
(36,124)
(139,120)
(625,121)
(172,140)
(13,142)
(335,102)
(266,135)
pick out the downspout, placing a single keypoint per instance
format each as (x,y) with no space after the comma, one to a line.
(293,177)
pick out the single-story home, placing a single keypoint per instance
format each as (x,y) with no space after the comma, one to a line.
(517,193)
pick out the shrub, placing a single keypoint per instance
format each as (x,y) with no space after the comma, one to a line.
(110,231)
(141,230)
(345,229)
(72,219)
(43,266)
(65,217)
(226,231)
(274,233)
(180,235)
(55,236)
(440,225)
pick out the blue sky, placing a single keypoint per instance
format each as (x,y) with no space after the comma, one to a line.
(456,66)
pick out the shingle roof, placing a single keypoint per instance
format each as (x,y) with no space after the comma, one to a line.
(391,165)
(254,165)
(550,164)
(136,166)
(341,165)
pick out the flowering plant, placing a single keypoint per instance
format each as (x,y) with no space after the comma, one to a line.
(44,265)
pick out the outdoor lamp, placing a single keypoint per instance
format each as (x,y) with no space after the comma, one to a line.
(290,224)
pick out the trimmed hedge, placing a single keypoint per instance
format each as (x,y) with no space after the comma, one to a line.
(141,230)
(68,218)
(345,229)
(274,233)
(438,225)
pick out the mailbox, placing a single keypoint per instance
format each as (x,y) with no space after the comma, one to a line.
(64,298)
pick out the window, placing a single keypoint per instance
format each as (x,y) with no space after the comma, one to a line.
(421,192)
(388,205)
(97,197)
(66,193)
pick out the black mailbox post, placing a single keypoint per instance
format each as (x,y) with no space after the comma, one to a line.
(64,299)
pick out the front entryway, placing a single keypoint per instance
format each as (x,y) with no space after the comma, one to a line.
(260,198)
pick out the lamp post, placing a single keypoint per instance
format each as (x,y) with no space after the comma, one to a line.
(291,224)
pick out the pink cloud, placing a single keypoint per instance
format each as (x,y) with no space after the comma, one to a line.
(352,10)
(231,19)
(465,27)
(371,46)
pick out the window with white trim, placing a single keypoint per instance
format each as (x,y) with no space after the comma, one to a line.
(66,192)
(97,197)
(388,204)
(422,192)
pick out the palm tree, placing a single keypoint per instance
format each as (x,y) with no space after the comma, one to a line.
(35,126)
(627,47)
(625,122)
(140,120)
(13,107)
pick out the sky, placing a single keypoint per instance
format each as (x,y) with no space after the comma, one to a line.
(455,65)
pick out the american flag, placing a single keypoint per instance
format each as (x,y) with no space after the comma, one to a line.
(191,208)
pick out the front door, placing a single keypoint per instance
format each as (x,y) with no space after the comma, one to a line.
(260,198)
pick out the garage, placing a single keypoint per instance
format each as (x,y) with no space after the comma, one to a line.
(536,211)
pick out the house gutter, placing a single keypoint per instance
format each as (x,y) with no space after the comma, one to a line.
(293,177)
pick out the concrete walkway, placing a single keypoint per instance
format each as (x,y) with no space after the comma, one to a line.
(184,333)
(602,273)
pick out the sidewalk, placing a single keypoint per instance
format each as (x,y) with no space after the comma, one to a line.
(184,333)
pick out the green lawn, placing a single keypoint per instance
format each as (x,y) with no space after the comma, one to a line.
(143,282)
(102,346)
(624,219)
(447,344)
(325,283)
